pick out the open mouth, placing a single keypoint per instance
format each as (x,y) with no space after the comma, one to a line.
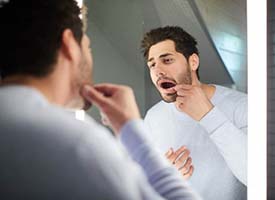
(166,84)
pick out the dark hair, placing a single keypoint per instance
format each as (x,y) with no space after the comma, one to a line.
(31,33)
(184,42)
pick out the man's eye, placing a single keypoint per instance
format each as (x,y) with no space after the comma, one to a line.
(168,60)
(152,65)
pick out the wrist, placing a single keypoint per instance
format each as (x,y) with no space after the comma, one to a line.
(209,108)
(124,122)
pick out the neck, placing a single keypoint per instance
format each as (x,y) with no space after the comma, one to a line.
(209,90)
(55,90)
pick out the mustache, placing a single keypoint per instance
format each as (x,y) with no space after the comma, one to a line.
(164,78)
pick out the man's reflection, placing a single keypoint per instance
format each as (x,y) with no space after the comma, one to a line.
(201,128)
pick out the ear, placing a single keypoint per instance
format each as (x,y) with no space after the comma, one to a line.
(69,46)
(194,61)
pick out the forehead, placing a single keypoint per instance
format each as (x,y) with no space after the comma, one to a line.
(167,46)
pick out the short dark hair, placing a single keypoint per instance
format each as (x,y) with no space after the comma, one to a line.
(184,42)
(31,34)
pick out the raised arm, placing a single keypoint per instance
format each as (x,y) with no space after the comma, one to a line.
(230,139)
(119,106)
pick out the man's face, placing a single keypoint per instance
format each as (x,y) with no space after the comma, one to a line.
(167,69)
(86,64)
(83,74)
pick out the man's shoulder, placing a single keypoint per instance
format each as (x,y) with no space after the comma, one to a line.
(39,123)
(233,103)
(49,136)
(227,95)
(35,117)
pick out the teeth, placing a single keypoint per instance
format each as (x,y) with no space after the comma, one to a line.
(167,85)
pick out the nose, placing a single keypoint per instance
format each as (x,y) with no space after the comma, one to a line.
(159,72)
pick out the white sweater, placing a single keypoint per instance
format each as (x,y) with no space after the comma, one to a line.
(47,154)
(218,143)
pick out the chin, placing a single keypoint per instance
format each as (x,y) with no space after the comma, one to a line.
(82,104)
(169,98)
(86,105)
(78,103)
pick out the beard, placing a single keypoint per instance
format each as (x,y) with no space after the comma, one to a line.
(169,98)
(186,78)
(83,77)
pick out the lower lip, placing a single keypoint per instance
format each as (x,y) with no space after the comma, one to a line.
(168,90)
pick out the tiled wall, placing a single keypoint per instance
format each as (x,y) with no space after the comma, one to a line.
(271,101)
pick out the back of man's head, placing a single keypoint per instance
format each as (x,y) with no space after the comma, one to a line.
(31,33)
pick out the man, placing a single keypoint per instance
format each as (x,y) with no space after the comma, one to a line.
(201,128)
(45,66)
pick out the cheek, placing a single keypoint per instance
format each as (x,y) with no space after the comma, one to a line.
(181,69)
(90,60)
(184,77)
(153,77)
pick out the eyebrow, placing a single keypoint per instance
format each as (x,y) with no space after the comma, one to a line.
(161,56)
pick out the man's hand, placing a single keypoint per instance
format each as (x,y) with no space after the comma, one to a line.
(181,160)
(192,100)
(116,102)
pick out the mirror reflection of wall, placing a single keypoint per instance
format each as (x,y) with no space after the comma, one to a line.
(116,30)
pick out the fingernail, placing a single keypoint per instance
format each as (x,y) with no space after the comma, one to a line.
(169,152)
(86,87)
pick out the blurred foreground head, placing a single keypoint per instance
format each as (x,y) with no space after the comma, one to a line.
(41,37)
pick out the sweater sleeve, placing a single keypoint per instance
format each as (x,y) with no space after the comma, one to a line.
(230,139)
(163,177)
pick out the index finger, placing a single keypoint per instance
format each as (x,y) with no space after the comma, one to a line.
(106,88)
(178,152)
(169,152)
(182,86)
(94,96)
